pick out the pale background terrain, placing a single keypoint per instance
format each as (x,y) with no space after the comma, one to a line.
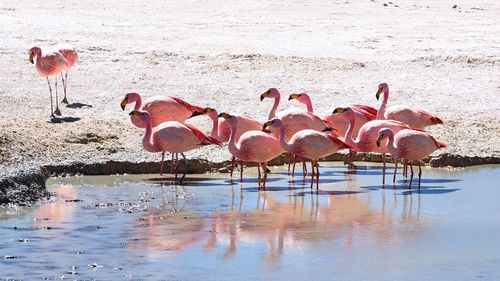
(226,53)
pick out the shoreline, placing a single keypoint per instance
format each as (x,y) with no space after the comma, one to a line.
(24,186)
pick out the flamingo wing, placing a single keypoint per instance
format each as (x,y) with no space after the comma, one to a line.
(187,105)
(204,139)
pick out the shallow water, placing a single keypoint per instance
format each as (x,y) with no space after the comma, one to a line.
(143,227)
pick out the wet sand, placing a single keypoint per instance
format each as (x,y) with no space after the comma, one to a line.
(140,227)
(217,53)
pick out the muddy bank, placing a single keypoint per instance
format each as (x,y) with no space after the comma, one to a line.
(22,186)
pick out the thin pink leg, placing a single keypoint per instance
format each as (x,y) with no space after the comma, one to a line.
(411,175)
(241,171)
(51,106)
(293,167)
(396,161)
(161,163)
(383,169)
(419,174)
(57,111)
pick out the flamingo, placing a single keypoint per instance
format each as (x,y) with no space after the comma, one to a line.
(71,58)
(252,146)
(366,138)
(171,136)
(412,145)
(413,116)
(47,65)
(161,109)
(309,144)
(293,120)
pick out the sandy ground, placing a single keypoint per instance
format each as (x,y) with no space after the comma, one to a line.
(225,53)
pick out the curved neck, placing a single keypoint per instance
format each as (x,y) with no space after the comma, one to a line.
(233,148)
(383,105)
(272,113)
(214,133)
(138,103)
(352,123)
(281,136)
(147,143)
(390,144)
(308,103)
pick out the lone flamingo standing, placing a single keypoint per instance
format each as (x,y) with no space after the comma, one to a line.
(71,58)
(160,109)
(309,144)
(48,65)
(171,136)
(412,145)
(367,136)
(252,146)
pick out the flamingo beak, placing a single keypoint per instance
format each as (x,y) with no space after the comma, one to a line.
(377,95)
(224,115)
(294,96)
(327,129)
(264,95)
(196,113)
(379,140)
(124,103)
(31,57)
(135,113)
(267,124)
(338,110)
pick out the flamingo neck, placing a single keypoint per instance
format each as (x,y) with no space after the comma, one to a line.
(138,103)
(390,144)
(352,123)
(272,113)
(383,105)
(147,142)
(308,103)
(214,133)
(233,148)
(281,136)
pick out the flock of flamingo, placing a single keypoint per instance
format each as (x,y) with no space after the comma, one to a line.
(398,130)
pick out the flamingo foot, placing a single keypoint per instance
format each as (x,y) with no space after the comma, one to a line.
(57,111)
(65,101)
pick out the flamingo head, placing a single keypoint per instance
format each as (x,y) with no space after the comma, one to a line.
(272,123)
(383,133)
(129,98)
(270,93)
(225,115)
(382,88)
(301,97)
(207,110)
(143,115)
(33,52)
(340,110)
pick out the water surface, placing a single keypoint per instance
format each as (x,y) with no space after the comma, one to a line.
(145,227)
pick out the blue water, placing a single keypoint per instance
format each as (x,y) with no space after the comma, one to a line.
(145,228)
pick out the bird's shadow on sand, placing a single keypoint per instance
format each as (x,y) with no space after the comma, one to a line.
(188,181)
(69,119)
(315,191)
(406,190)
(77,105)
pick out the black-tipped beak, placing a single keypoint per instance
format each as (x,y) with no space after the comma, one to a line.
(124,103)
(327,129)
(196,113)
(377,95)
(379,140)
(134,112)
(262,97)
(31,58)
(267,124)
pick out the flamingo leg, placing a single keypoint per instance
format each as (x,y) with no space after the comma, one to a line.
(57,111)
(172,164)
(186,166)
(405,168)
(258,170)
(396,161)
(65,86)
(304,167)
(411,175)
(383,169)
(161,163)
(51,106)
(317,174)
(264,168)
(293,168)
(289,162)
(241,171)
(232,166)
(419,174)
(175,167)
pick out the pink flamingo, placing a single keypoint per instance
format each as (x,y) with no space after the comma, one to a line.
(171,136)
(48,65)
(71,58)
(309,144)
(412,145)
(413,116)
(340,122)
(367,136)
(160,109)
(252,146)
(222,130)
(293,120)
